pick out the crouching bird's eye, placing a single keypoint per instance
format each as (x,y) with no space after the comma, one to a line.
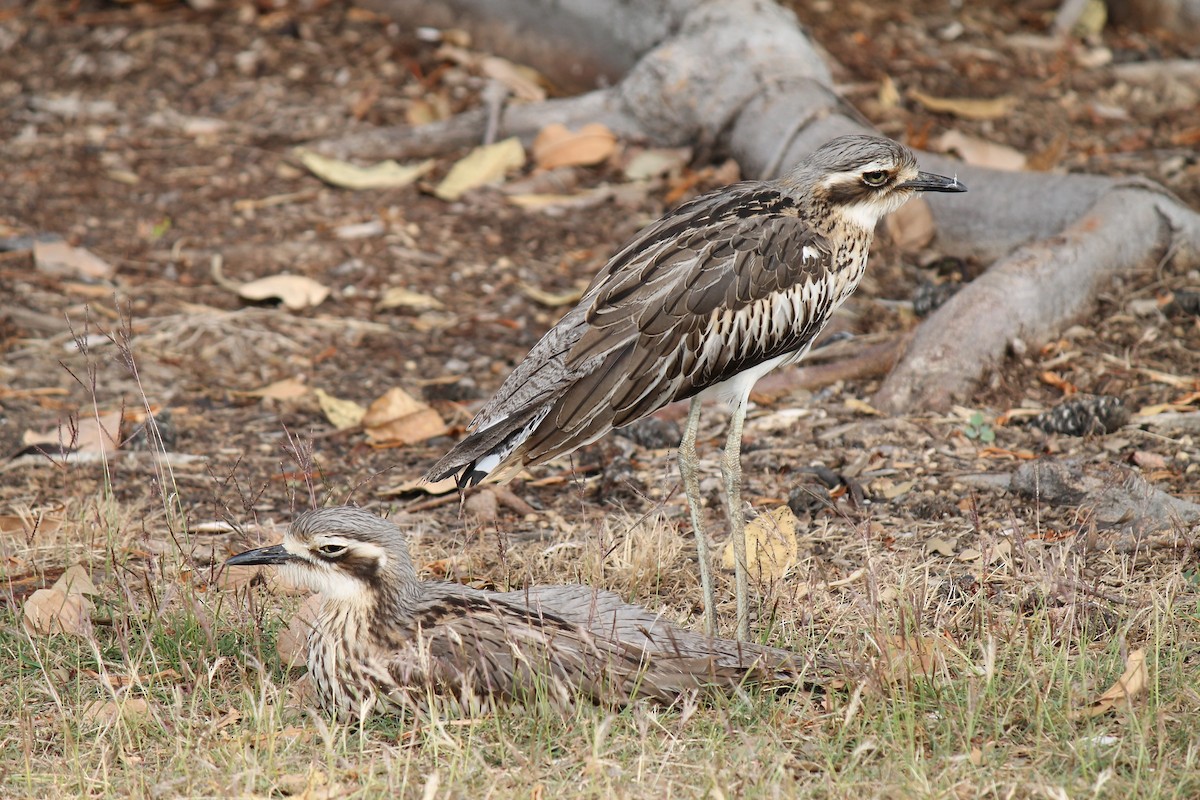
(332,550)
(876,178)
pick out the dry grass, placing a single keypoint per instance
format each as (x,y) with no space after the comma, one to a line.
(972,694)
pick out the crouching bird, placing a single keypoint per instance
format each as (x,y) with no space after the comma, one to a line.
(702,303)
(384,637)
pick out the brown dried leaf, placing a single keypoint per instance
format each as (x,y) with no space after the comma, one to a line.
(52,611)
(941,546)
(286,389)
(966,107)
(484,165)
(60,258)
(912,226)
(292,644)
(1131,683)
(556,146)
(105,713)
(75,580)
(771,545)
(526,83)
(980,152)
(399,418)
(296,292)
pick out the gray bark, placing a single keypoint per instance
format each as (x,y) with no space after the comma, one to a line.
(742,75)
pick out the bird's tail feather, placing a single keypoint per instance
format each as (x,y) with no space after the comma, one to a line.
(488,451)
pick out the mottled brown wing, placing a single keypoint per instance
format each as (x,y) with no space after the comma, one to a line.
(690,311)
(475,648)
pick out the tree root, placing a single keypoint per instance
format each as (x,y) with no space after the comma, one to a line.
(743,76)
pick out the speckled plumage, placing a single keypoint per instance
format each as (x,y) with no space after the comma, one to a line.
(703,302)
(385,638)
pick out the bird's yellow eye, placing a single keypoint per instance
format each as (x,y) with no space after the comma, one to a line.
(875,178)
(332,550)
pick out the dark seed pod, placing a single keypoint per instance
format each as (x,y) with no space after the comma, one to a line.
(1084,415)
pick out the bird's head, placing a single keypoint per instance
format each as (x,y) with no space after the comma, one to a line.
(862,178)
(347,554)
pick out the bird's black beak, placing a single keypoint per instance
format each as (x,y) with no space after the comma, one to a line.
(928,182)
(273,555)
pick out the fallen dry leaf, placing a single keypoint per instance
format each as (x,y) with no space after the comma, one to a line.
(342,413)
(384,175)
(906,657)
(911,227)
(941,546)
(526,83)
(75,580)
(552,299)
(484,165)
(399,418)
(286,389)
(437,488)
(399,297)
(862,407)
(91,434)
(60,258)
(980,152)
(296,292)
(1131,683)
(556,146)
(292,644)
(966,107)
(52,611)
(655,162)
(771,545)
(104,713)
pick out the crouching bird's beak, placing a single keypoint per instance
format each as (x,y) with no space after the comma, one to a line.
(928,182)
(275,554)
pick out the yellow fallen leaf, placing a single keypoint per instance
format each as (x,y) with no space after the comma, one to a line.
(342,413)
(862,407)
(482,166)
(556,146)
(399,297)
(384,175)
(52,611)
(771,545)
(966,107)
(1131,683)
(552,299)
(444,486)
(296,292)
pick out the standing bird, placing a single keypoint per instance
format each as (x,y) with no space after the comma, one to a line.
(383,637)
(702,303)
